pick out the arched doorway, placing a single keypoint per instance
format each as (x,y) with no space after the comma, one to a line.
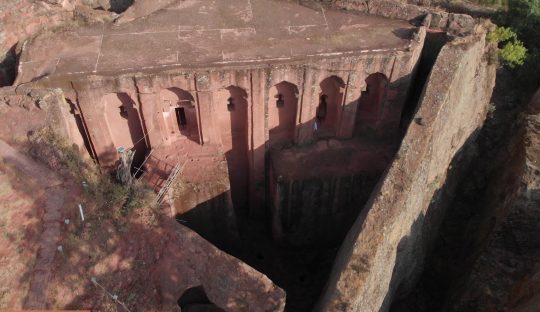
(282,108)
(327,116)
(180,114)
(125,126)
(232,117)
(371,102)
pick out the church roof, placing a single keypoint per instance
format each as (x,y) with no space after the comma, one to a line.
(206,33)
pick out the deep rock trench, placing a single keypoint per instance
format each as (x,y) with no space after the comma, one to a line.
(485,188)
(303,272)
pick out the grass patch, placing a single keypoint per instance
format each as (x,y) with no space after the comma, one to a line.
(113,200)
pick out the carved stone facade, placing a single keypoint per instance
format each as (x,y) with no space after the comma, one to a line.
(199,82)
(240,109)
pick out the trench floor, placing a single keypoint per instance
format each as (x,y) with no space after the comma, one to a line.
(302,273)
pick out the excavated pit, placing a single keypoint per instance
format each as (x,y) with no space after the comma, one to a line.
(277,143)
(269,128)
(300,262)
(299,266)
(296,250)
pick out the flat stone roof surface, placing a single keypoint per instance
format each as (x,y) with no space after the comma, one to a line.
(195,33)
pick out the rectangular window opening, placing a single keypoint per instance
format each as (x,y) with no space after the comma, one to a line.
(181,117)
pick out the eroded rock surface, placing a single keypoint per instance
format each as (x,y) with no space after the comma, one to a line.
(455,23)
(22,19)
(23,111)
(506,274)
(384,251)
(190,261)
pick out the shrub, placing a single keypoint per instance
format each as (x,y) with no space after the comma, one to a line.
(523,18)
(511,50)
(501,34)
(112,199)
(139,196)
(47,146)
(513,53)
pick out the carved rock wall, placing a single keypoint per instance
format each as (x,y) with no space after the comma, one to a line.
(243,131)
(319,211)
(386,246)
(190,261)
(22,19)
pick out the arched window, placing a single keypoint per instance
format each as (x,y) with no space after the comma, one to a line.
(282,114)
(371,102)
(328,111)
(322,108)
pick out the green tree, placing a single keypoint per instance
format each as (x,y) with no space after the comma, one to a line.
(523,17)
(513,53)
(511,50)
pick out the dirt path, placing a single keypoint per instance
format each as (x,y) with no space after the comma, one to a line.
(36,297)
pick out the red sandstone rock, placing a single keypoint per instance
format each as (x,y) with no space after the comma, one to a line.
(324,186)
(22,19)
(455,24)
(190,261)
(460,25)
(195,33)
(384,250)
(147,267)
(186,69)
(141,8)
(221,69)
(113,5)
(23,111)
(506,276)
